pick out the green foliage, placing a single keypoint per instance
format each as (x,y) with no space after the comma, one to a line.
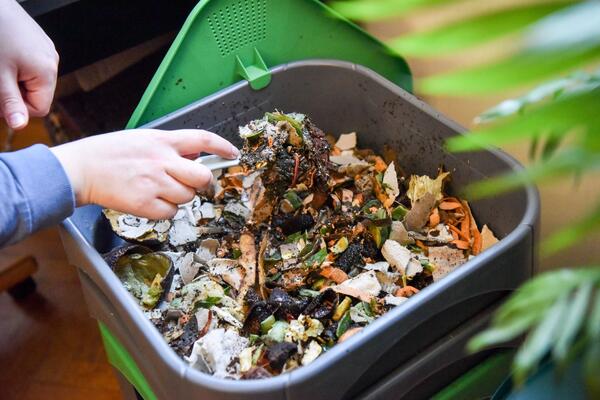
(555,36)
(207,303)
(476,30)
(557,312)
(573,233)
(372,10)
(561,311)
(576,113)
(518,70)
(557,43)
(549,91)
(561,111)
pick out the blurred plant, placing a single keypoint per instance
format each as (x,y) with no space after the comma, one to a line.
(563,111)
(560,117)
(559,311)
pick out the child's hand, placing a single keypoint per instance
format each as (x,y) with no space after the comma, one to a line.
(141,172)
(28,66)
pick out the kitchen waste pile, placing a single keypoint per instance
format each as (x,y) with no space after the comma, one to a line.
(298,248)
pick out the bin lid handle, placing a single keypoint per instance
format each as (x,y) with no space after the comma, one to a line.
(257,73)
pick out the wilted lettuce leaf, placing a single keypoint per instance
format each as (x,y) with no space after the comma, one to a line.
(420,185)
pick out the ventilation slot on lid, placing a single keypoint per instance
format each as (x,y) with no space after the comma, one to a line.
(239,24)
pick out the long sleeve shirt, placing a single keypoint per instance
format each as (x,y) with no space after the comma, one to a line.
(35,193)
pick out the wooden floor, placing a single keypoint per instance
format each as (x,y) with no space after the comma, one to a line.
(49,347)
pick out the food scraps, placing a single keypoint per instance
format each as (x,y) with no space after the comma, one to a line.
(299,248)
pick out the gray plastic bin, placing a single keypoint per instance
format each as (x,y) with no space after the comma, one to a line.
(339,97)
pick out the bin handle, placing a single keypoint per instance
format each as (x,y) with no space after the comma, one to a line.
(257,73)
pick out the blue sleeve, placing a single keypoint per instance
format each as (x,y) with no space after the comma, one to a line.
(35,193)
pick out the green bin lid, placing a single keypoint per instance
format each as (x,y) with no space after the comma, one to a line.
(225,41)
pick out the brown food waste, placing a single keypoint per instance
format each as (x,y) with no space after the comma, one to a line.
(283,260)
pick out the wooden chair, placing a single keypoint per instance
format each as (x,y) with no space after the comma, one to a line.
(16,277)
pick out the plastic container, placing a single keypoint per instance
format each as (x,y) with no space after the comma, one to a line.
(339,97)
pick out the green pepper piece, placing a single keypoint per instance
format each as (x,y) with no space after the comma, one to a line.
(277,331)
(399,213)
(294,199)
(343,325)
(318,284)
(380,234)
(207,303)
(236,253)
(316,259)
(253,338)
(308,293)
(341,309)
(267,323)
(294,237)
(340,246)
(369,204)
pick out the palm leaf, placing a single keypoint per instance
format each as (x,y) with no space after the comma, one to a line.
(539,341)
(572,323)
(577,82)
(576,26)
(591,366)
(371,10)
(591,361)
(538,294)
(479,29)
(567,162)
(553,306)
(545,54)
(551,146)
(560,116)
(527,307)
(593,330)
(502,333)
(573,233)
(521,69)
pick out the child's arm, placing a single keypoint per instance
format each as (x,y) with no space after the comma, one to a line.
(142,172)
(28,66)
